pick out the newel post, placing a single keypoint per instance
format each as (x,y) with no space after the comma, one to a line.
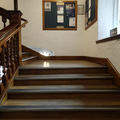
(15,18)
(15,4)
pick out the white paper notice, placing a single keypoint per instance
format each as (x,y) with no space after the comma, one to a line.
(89,14)
(60,9)
(48,6)
(60,19)
(89,3)
(72,21)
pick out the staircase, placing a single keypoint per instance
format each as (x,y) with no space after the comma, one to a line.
(62,90)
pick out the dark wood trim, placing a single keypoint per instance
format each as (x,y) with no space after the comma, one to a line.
(93,22)
(96,16)
(108,39)
(98,60)
(15,4)
(62,58)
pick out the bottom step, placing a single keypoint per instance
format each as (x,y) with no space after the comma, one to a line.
(60,113)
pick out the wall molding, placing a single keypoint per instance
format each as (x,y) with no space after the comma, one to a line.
(108,39)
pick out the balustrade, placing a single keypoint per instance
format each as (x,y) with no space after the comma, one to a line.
(10,46)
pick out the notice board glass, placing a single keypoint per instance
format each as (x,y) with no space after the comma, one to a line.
(59,15)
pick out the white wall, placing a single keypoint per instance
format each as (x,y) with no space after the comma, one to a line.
(7,4)
(61,42)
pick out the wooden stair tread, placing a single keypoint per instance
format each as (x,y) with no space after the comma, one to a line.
(62,102)
(64,88)
(65,76)
(59,108)
(62,63)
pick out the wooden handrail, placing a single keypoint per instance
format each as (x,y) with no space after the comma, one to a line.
(12,31)
(7,29)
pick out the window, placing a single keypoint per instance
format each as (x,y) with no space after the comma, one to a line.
(116,16)
(108,17)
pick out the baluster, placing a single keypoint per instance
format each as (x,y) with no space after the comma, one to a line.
(16,51)
(12,58)
(1,85)
(17,48)
(4,77)
(4,20)
(9,71)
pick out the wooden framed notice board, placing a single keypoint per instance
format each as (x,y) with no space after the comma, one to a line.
(59,15)
(91,12)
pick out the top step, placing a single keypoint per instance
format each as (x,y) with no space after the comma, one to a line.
(62,67)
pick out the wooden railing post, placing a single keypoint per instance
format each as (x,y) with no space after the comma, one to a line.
(15,4)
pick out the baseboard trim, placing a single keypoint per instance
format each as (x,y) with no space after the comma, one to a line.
(62,58)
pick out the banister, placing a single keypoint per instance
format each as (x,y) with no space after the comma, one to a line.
(7,29)
(11,31)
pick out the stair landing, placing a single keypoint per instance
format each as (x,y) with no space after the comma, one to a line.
(62,64)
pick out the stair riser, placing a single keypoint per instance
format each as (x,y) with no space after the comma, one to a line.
(30,61)
(26,55)
(56,115)
(63,82)
(96,96)
(63,71)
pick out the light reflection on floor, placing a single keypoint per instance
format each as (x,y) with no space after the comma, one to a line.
(46,64)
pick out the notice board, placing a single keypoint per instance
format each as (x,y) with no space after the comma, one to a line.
(59,15)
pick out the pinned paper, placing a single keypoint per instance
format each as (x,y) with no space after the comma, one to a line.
(89,14)
(48,6)
(60,19)
(89,3)
(72,21)
(60,9)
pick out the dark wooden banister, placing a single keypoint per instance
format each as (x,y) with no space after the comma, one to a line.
(10,47)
